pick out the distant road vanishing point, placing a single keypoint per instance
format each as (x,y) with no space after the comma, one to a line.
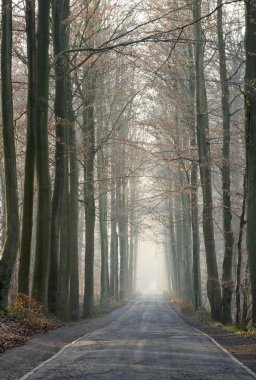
(147,342)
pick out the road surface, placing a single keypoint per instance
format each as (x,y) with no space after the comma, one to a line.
(149,341)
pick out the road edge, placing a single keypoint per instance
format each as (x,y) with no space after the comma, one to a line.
(64,348)
(51,358)
(234,359)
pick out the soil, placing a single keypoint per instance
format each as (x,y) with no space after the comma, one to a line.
(18,361)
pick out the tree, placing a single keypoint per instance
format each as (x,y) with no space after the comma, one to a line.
(60,10)
(227,281)
(250,138)
(89,197)
(103,212)
(73,214)
(27,219)
(12,212)
(43,236)
(213,285)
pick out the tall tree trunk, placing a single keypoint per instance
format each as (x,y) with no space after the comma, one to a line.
(179,247)
(187,238)
(73,215)
(12,212)
(132,222)
(239,259)
(195,234)
(194,186)
(122,226)
(173,245)
(103,227)
(60,11)
(227,280)
(27,219)
(122,215)
(3,200)
(250,135)
(63,283)
(43,236)
(114,290)
(213,284)
(89,143)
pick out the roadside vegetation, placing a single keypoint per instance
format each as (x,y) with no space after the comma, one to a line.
(22,319)
(203,315)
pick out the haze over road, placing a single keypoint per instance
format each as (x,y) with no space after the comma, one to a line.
(148,341)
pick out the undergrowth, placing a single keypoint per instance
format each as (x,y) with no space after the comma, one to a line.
(203,315)
(32,314)
(24,318)
(241,331)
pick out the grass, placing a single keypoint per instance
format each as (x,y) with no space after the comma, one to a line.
(203,315)
(240,331)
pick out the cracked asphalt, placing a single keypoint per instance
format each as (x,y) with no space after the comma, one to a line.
(147,341)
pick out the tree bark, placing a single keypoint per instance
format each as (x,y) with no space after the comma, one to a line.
(43,236)
(103,227)
(239,259)
(60,12)
(27,219)
(73,216)
(250,135)
(12,212)
(114,278)
(213,284)
(63,278)
(227,280)
(89,143)
(194,186)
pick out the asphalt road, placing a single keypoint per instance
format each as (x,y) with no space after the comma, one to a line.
(148,341)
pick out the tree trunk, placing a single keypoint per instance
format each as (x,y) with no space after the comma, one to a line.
(250,135)
(173,245)
(89,143)
(122,226)
(227,280)
(60,11)
(103,228)
(239,259)
(194,187)
(63,283)
(73,216)
(195,234)
(213,284)
(12,212)
(114,290)
(43,237)
(27,220)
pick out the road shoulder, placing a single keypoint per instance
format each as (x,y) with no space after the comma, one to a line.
(241,347)
(17,362)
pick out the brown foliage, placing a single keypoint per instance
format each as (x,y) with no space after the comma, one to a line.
(24,318)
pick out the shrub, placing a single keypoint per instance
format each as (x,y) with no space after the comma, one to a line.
(32,314)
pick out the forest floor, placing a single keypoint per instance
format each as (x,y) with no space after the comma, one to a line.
(16,362)
(26,318)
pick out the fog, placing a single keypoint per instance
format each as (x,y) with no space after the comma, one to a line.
(151,272)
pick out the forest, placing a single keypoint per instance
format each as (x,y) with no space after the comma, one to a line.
(120,117)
